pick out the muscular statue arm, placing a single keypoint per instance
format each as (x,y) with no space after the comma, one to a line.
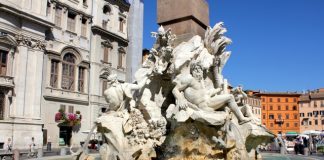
(139,85)
(215,91)
(181,83)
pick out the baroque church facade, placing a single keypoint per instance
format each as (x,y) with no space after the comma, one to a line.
(55,56)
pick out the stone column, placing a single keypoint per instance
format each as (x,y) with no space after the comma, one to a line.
(78,22)
(64,18)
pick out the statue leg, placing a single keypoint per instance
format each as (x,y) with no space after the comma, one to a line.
(219,101)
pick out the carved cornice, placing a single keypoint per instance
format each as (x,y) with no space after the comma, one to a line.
(8,39)
(29,42)
(67,7)
(107,43)
(23,14)
(107,34)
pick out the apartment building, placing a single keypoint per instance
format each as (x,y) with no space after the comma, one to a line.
(280,112)
(311,110)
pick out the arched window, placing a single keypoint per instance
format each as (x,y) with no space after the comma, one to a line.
(106,9)
(106,12)
(68,71)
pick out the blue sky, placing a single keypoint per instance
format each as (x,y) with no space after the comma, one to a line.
(278,45)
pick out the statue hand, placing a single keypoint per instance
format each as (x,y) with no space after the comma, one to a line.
(182,103)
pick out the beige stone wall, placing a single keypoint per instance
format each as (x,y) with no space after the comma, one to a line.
(308,117)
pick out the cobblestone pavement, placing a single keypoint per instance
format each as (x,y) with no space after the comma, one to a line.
(277,156)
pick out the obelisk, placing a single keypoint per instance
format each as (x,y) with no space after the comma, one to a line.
(186,18)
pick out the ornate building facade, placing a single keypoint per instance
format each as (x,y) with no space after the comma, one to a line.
(311,108)
(55,56)
(23,27)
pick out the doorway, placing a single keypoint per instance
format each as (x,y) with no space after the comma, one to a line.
(65,135)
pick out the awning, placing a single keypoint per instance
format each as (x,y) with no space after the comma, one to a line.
(291,133)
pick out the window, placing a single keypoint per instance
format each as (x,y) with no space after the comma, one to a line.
(316,122)
(309,114)
(278,99)
(54,73)
(287,108)
(121,58)
(321,112)
(296,124)
(295,99)
(287,100)
(81,79)
(315,103)
(302,114)
(322,121)
(3,62)
(264,116)
(2,105)
(322,103)
(106,10)
(84,27)
(271,108)
(287,116)
(287,125)
(294,108)
(106,54)
(48,10)
(263,107)
(279,116)
(263,100)
(271,124)
(104,24)
(296,116)
(310,122)
(58,15)
(68,66)
(121,24)
(71,109)
(63,108)
(279,108)
(71,22)
(104,86)
(315,113)
(270,99)
(271,116)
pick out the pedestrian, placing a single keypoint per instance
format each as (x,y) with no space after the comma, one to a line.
(32,146)
(8,146)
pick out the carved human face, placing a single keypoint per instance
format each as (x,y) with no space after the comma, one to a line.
(197,72)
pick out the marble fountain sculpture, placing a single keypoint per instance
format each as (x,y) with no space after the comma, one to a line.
(180,106)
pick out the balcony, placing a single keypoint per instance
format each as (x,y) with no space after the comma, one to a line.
(62,95)
(6,81)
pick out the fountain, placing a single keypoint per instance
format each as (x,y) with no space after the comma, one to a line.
(180,106)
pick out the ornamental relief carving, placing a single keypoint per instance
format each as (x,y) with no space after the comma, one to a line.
(29,42)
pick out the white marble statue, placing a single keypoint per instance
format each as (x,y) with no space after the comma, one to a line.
(182,86)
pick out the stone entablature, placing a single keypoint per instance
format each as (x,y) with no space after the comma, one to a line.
(65,96)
